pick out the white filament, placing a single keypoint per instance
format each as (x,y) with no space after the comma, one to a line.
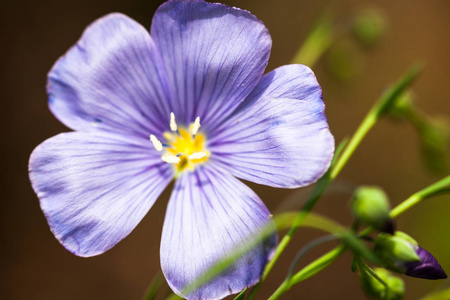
(196,126)
(197,155)
(170,159)
(156,143)
(173,123)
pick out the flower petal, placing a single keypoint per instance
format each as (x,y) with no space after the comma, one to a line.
(112,78)
(94,188)
(214,55)
(279,136)
(210,213)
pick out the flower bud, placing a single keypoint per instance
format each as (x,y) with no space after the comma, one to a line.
(396,250)
(369,26)
(374,288)
(402,254)
(370,206)
(434,140)
(427,268)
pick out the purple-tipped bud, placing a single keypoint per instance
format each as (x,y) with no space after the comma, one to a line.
(427,268)
(402,254)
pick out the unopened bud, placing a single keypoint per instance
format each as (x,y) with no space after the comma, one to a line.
(370,26)
(393,290)
(370,205)
(396,250)
(401,253)
(427,268)
(434,139)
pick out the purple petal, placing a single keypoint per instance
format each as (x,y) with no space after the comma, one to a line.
(111,79)
(210,213)
(279,136)
(94,188)
(214,55)
(427,268)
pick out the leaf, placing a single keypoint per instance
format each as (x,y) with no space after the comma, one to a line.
(241,296)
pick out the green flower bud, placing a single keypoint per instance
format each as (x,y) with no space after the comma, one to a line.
(369,26)
(344,60)
(394,289)
(396,250)
(434,140)
(370,206)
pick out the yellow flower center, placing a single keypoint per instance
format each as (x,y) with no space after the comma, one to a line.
(184,148)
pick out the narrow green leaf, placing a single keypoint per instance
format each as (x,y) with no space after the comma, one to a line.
(241,296)
(154,286)
(305,249)
(317,265)
(358,247)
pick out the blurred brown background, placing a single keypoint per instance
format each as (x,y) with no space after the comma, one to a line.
(35,33)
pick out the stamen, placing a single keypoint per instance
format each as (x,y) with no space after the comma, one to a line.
(173,124)
(197,155)
(156,143)
(171,159)
(196,126)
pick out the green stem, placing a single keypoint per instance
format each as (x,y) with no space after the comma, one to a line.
(378,110)
(442,185)
(386,100)
(308,271)
(317,42)
(315,196)
(282,221)
(154,286)
(363,267)
(305,249)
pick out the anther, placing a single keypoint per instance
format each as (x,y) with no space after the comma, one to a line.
(197,155)
(196,126)
(173,124)
(156,143)
(171,159)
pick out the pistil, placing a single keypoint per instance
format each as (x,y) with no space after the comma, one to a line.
(182,148)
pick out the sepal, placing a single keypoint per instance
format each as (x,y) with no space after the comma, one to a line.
(396,250)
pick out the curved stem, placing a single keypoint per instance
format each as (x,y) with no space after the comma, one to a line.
(305,249)
(378,110)
(308,271)
(441,186)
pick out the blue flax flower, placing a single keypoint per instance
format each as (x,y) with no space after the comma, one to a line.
(188,101)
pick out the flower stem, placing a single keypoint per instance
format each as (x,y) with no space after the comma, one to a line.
(308,271)
(442,185)
(315,196)
(154,286)
(317,42)
(305,250)
(379,109)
